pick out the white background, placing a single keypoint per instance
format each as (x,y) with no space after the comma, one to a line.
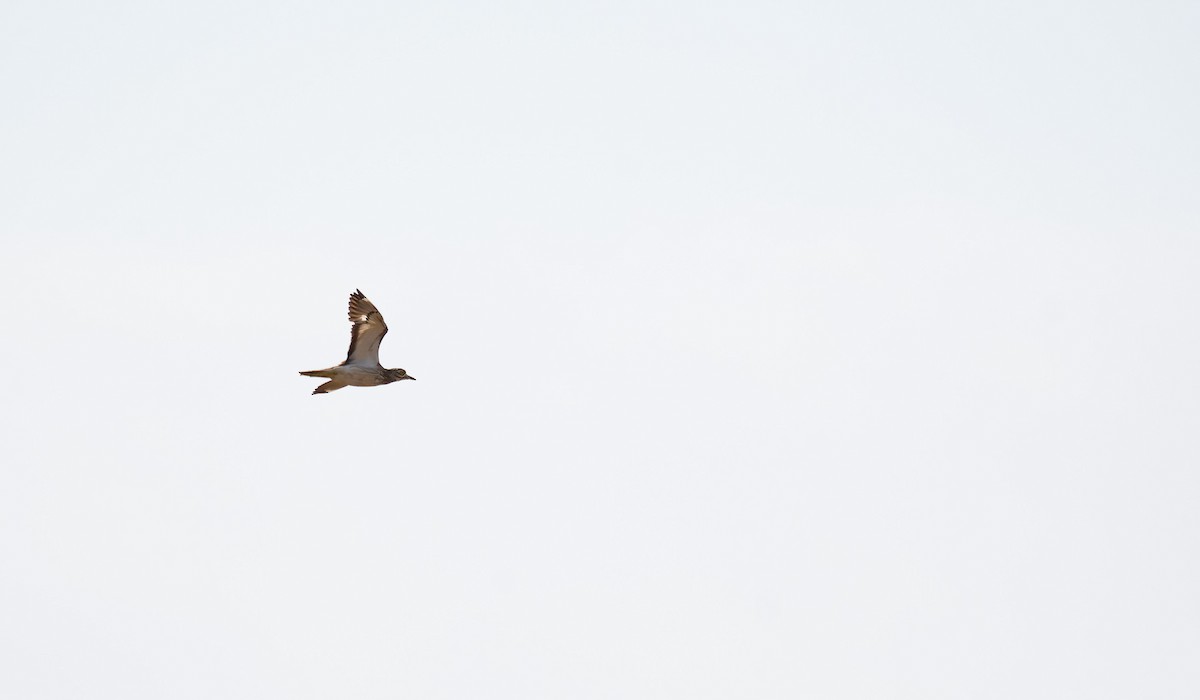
(764,350)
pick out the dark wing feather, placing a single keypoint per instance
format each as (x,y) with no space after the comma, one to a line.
(366,333)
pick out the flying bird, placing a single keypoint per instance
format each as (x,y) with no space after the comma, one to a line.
(361,367)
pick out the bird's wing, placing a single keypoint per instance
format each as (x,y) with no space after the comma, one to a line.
(366,333)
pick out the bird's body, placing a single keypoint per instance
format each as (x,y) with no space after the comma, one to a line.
(352,375)
(361,367)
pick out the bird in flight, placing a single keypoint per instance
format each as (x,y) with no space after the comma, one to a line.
(361,367)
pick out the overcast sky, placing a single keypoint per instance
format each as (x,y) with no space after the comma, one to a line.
(764,350)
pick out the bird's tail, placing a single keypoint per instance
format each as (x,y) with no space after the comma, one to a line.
(318,373)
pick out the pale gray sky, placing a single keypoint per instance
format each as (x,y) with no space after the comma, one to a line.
(765,350)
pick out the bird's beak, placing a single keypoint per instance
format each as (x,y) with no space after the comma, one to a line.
(409,376)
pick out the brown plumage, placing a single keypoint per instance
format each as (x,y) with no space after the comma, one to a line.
(361,367)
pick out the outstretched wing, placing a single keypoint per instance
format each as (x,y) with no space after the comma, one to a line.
(366,333)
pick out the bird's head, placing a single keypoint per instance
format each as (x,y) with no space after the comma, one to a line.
(397,374)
